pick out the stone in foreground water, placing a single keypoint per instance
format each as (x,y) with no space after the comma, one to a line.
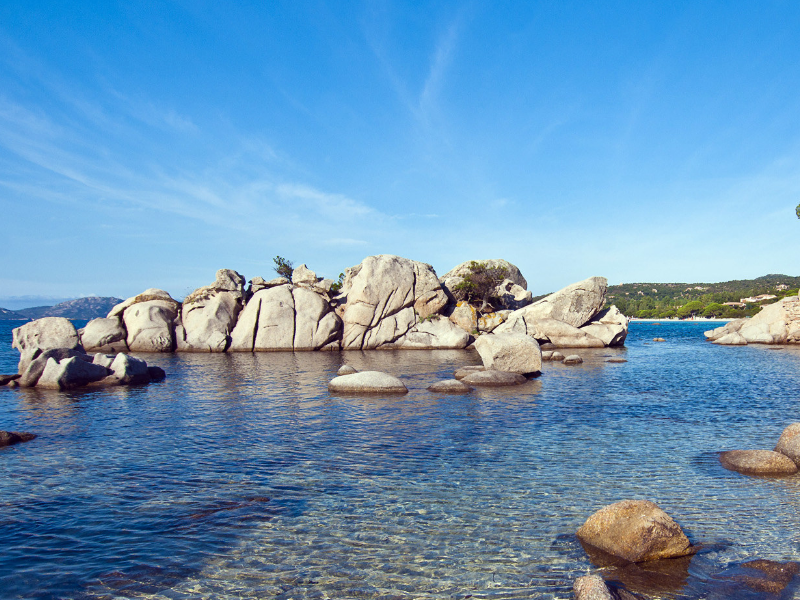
(758,462)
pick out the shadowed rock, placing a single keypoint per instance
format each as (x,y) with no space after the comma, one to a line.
(468,370)
(758,462)
(511,352)
(7,438)
(573,359)
(6,379)
(346,370)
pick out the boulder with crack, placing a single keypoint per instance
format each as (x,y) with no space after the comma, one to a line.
(149,320)
(208,315)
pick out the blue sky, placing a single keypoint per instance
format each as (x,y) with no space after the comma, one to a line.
(147,144)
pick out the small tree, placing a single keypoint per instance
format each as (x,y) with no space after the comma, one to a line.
(283,267)
(481,283)
(797,210)
(338,285)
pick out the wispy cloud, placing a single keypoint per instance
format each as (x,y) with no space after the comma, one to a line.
(440,62)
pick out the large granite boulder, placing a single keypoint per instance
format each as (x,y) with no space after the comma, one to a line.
(32,370)
(465,316)
(286,317)
(777,323)
(367,382)
(758,462)
(384,298)
(789,442)
(149,320)
(208,315)
(550,331)
(456,275)
(70,373)
(609,326)
(435,333)
(575,305)
(510,352)
(43,334)
(636,531)
(104,335)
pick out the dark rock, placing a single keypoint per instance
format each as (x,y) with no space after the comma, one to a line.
(6,379)
(156,373)
(7,438)
(616,360)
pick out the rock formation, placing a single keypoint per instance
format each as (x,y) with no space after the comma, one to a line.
(149,320)
(777,323)
(511,352)
(209,314)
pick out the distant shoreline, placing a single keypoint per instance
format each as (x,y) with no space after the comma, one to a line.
(632,319)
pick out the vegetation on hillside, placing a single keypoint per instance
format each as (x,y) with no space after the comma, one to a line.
(683,300)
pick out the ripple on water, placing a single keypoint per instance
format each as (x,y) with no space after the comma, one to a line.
(241,476)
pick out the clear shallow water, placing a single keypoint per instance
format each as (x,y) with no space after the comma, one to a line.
(240,476)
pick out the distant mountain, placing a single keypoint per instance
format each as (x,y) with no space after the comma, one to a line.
(80,309)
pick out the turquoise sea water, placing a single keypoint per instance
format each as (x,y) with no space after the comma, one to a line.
(240,476)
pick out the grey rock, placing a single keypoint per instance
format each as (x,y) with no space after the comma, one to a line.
(777,323)
(34,368)
(449,386)
(465,316)
(557,356)
(303,275)
(151,325)
(70,373)
(575,305)
(145,296)
(513,296)
(436,333)
(758,462)
(492,378)
(346,370)
(573,359)
(557,333)
(636,531)
(610,326)
(367,382)
(456,275)
(731,339)
(104,335)
(386,296)
(130,370)
(511,352)
(44,334)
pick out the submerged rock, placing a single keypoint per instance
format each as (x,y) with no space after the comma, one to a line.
(368,382)
(492,378)
(464,371)
(636,531)
(449,386)
(7,438)
(591,587)
(758,462)
(573,359)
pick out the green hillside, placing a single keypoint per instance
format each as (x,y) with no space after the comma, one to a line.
(667,300)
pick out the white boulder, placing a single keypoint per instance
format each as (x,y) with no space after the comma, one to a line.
(575,305)
(610,326)
(104,335)
(510,352)
(367,382)
(436,333)
(44,334)
(70,373)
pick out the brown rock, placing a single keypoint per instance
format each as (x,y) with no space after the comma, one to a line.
(636,531)
(591,587)
(758,462)
(789,434)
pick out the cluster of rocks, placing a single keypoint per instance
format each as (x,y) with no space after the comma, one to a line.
(783,460)
(635,541)
(385,302)
(52,357)
(777,323)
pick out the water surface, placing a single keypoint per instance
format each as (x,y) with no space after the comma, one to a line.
(240,476)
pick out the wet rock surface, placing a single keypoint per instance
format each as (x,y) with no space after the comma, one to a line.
(758,462)
(8,438)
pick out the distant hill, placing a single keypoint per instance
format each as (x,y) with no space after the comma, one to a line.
(80,309)
(664,300)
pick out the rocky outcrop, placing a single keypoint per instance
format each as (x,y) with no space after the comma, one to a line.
(286,317)
(44,334)
(367,382)
(636,531)
(385,297)
(208,315)
(104,335)
(67,369)
(758,462)
(571,318)
(777,323)
(511,352)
